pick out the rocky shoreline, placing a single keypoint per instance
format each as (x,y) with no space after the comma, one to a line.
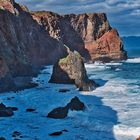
(30,40)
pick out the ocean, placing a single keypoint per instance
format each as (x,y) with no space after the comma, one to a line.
(121,91)
(112,110)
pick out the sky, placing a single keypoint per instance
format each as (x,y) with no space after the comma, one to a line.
(124,15)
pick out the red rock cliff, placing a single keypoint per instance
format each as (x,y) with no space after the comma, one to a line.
(90,34)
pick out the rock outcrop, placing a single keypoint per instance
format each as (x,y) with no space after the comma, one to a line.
(71,70)
(29,40)
(89,34)
(5,111)
(24,44)
(62,112)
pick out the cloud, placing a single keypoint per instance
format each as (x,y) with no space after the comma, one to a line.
(122,14)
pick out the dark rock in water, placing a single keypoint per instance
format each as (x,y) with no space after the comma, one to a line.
(71,70)
(2,138)
(62,112)
(13,108)
(30,109)
(58,113)
(76,104)
(56,133)
(64,90)
(65,130)
(16,134)
(2,106)
(5,111)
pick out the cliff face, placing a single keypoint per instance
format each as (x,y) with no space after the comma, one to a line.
(29,40)
(24,44)
(89,34)
(23,41)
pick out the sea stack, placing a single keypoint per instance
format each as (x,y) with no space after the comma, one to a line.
(71,70)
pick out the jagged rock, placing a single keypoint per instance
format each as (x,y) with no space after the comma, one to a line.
(58,113)
(90,34)
(62,112)
(5,111)
(76,104)
(71,70)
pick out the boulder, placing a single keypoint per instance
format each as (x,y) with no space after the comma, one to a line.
(62,112)
(5,111)
(58,113)
(76,104)
(71,70)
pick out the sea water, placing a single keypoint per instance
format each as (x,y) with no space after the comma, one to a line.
(112,110)
(121,92)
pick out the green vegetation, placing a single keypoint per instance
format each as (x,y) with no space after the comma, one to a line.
(63,60)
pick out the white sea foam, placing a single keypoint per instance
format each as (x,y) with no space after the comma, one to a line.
(133,60)
(97,66)
(97,121)
(127,131)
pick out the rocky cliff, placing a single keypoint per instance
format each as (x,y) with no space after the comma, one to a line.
(24,44)
(71,70)
(89,34)
(29,40)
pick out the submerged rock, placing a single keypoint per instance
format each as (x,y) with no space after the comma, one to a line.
(5,111)
(30,110)
(64,90)
(62,112)
(56,133)
(71,70)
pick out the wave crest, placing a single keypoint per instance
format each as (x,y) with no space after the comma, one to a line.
(133,60)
